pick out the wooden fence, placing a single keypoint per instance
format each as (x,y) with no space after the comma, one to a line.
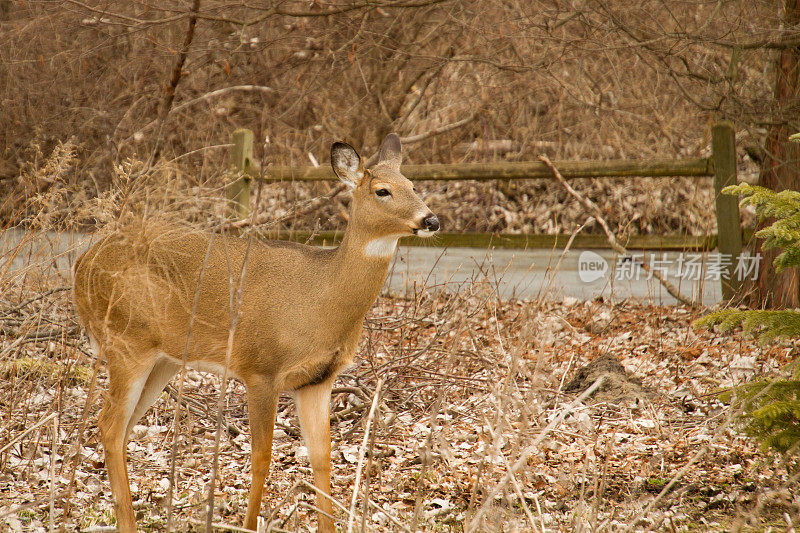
(721,165)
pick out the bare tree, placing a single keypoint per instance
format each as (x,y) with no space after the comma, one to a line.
(606,79)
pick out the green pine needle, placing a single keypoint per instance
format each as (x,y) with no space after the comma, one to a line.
(771,409)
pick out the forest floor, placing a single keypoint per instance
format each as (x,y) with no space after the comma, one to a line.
(481,424)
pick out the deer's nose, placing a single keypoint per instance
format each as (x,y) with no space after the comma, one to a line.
(430,223)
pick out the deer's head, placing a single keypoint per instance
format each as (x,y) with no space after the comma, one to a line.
(385,204)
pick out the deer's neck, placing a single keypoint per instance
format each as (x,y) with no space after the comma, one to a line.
(361,264)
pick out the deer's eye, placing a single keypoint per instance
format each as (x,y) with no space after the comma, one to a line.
(383,192)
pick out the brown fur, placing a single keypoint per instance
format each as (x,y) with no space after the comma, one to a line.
(299,321)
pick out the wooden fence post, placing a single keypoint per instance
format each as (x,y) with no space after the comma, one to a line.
(729,227)
(241,157)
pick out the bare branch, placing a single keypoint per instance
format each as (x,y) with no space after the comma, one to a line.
(612,240)
(203,98)
(438,131)
(422,136)
(175,78)
(220,92)
(271,12)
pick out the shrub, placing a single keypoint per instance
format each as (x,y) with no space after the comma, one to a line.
(771,408)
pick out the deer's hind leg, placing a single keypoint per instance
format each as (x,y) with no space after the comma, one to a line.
(162,372)
(128,376)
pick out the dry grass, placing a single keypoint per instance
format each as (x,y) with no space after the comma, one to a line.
(472,390)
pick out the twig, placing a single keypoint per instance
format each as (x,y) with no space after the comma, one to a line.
(427,451)
(438,131)
(236,304)
(49,334)
(431,133)
(35,298)
(315,509)
(24,433)
(79,441)
(13,346)
(523,457)
(539,510)
(696,457)
(362,452)
(224,90)
(514,482)
(333,500)
(612,240)
(368,481)
(289,516)
(203,98)
(310,205)
(197,408)
(53,476)
(304,483)
(221,526)
(178,400)
(279,505)
(37,504)
(555,269)
(577,513)
(598,494)
(356,391)
(391,518)
(201,149)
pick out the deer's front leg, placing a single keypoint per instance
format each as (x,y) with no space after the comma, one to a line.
(262,398)
(313,408)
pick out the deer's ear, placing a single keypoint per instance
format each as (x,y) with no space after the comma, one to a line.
(347,164)
(391,153)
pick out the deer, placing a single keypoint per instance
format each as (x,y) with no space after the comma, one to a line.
(159,297)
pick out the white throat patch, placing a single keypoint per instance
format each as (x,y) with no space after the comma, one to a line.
(381,247)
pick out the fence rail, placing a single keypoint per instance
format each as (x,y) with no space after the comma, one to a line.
(521,241)
(700,167)
(721,165)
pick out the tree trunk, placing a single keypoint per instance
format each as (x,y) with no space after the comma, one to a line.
(780,168)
